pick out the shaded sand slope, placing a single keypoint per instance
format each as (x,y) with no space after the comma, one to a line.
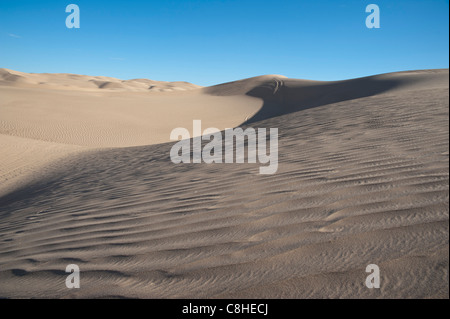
(360,181)
(23,160)
(282,95)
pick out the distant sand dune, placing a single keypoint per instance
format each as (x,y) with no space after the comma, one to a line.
(362,178)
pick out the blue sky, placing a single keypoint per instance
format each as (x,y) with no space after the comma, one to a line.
(210,42)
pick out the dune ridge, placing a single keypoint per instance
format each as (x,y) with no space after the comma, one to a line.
(362,178)
(65,81)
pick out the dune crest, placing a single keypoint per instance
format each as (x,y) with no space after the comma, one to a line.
(65,81)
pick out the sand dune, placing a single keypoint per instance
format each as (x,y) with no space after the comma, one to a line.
(282,95)
(74,111)
(362,179)
(73,82)
(116,119)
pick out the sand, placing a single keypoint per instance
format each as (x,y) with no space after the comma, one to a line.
(86,178)
(55,114)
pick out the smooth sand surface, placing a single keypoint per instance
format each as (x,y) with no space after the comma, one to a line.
(54,114)
(362,179)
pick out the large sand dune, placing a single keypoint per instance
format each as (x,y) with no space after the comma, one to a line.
(53,114)
(362,179)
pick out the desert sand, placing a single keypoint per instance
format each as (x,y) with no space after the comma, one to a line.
(86,178)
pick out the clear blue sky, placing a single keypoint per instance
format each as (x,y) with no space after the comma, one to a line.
(210,42)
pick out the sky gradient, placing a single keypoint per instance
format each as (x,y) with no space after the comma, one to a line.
(211,42)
